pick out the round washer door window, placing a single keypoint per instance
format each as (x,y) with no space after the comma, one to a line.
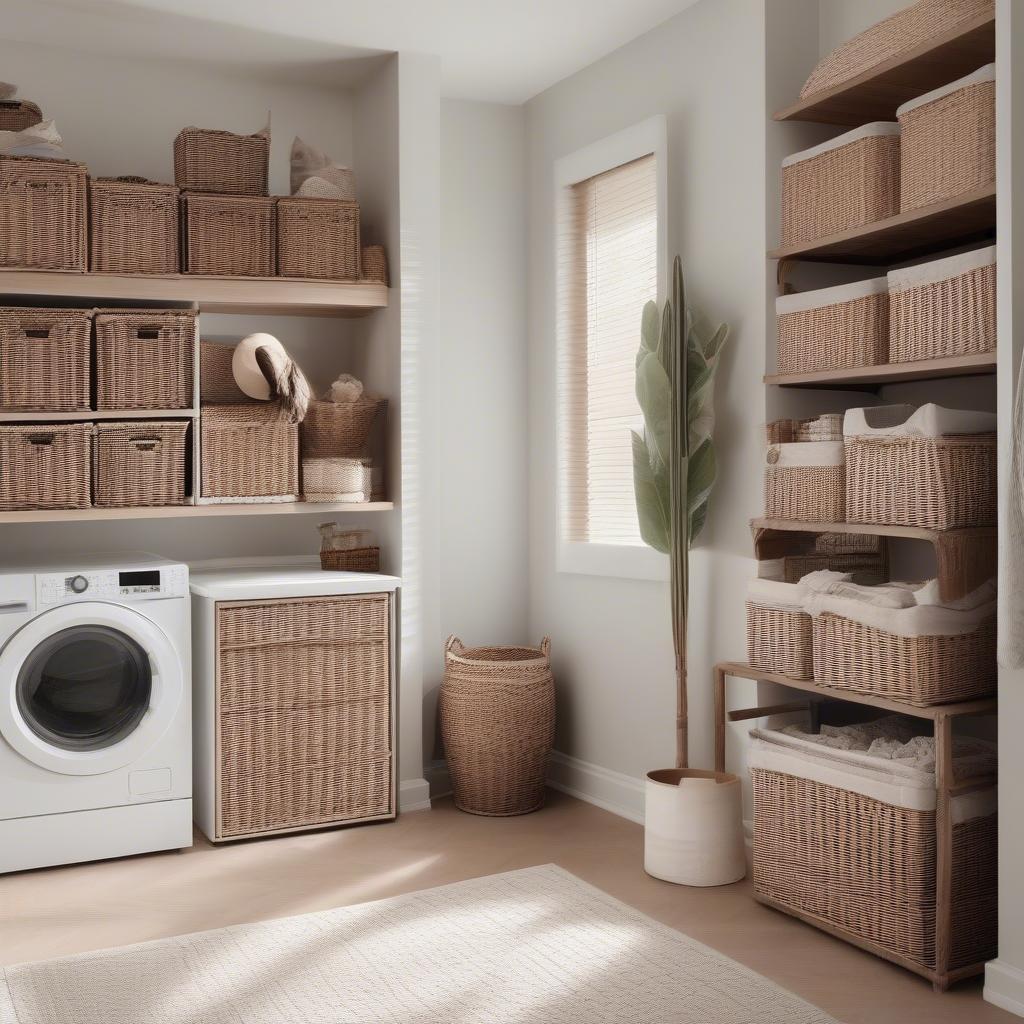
(86,687)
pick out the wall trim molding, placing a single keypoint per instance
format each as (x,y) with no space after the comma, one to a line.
(1004,986)
(413,795)
(610,790)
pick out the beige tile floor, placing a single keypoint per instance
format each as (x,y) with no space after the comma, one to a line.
(65,910)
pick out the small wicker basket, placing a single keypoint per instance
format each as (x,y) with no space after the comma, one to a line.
(375,264)
(133,226)
(780,640)
(863,557)
(943,308)
(845,183)
(228,236)
(139,462)
(353,560)
(249,453)
(804,477)
(44,358)
(834,328)
(145,358)
(318,238)
(42,213)
(207,160)
(948,141)
(339,429)
(17,115)
(498,722)
(45,466)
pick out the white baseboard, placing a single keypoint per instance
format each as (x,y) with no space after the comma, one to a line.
(413,795)
(1004,986)
(612,791)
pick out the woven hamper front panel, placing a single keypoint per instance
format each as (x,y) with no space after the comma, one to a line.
(133,227)
(814,494)
(229,236)
(974,916)
(44,358)
(248,451)
(42,213)
(45,466)
(849,861)
(145,359)
(303,713)
(318,238)
(141,463)
(937,484)
(780,640)
(834,337)
(920,670)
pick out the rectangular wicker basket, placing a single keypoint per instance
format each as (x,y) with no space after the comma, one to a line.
(866,870)
(809,493)
(141,462)
(845,183)
(780,640)
(303,713)
(919,670)
(145,358)
(228,236)
(207,160)
(834,328)
(42,213)
(352,560)
(17,115)
(948,141)
(339,429)
(249,453)
(133,227)
(44,358)
(943,308)
(45,466)
(318,238)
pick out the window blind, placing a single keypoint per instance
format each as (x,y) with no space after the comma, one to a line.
(609,269)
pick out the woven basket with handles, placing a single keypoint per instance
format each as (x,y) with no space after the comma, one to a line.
(498,725)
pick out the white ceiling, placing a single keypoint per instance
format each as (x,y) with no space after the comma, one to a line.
(499,50)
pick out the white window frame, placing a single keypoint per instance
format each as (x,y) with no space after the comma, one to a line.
(626,561)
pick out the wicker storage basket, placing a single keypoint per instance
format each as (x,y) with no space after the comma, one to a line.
(339,429)
(834,328)
(133,226)
(804,479)
(145,358)
(943,308)
(779,632)
(353,560)
(44,358)
(206,160)
(249,453)
(217,384)
(336,479)
(864,557)
(303,713)
(845,183)
(45,466)
(141,462)
(17,115)
(228,236)
(905,31)
(919,670)
(318,238)
(948,141)
(933,482)
(374,264)
(42,213)
(498,723)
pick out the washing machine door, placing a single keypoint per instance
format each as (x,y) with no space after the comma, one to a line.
(89,687)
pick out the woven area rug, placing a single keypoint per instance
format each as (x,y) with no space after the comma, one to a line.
(536,946)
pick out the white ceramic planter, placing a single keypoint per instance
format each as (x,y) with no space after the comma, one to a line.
(693,827)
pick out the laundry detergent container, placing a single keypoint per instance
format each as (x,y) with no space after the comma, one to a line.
(294,699)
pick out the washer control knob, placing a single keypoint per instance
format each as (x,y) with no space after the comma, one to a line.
(79,584)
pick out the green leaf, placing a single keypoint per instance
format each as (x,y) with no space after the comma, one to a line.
(703,469)
(652,499)
(654,394)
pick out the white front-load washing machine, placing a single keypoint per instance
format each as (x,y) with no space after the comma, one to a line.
(95,710)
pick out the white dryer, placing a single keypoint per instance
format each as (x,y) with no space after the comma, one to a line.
(95,711)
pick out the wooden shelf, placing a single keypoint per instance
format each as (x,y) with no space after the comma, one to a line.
(86,515)
(741,670)
(89,415)
(875,95)
(271,296)
(968,218)
(869,378)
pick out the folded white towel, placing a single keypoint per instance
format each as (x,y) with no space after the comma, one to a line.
(40,139)
(905,421)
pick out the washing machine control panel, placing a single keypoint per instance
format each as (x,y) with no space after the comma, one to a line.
(142,583)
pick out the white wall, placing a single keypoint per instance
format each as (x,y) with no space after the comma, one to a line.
(840,20)
(703,69)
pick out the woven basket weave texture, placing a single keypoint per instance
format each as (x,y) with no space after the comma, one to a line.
(248,451)
(44,358)
(141,463)
(133,227)
(45,466)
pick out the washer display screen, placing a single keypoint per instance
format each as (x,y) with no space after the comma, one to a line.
(85,687)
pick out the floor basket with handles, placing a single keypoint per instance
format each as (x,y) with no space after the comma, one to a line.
(498,725)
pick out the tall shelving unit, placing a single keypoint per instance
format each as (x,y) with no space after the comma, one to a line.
(962,558)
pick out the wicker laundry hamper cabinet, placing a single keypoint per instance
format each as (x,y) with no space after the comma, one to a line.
(294,700)
(498,725)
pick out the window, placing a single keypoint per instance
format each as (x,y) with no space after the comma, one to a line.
(611,232)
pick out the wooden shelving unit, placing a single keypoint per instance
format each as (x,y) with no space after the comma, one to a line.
(874,96)
(267,296)
(968,218)
(87,515)
(870,378)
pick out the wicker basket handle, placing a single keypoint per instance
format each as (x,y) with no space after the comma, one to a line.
(37,332)
(451,644)
(545,647)
(145,444)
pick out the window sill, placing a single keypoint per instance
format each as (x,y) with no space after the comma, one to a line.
(621,561)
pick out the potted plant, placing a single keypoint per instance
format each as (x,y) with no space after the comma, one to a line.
(693,831)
